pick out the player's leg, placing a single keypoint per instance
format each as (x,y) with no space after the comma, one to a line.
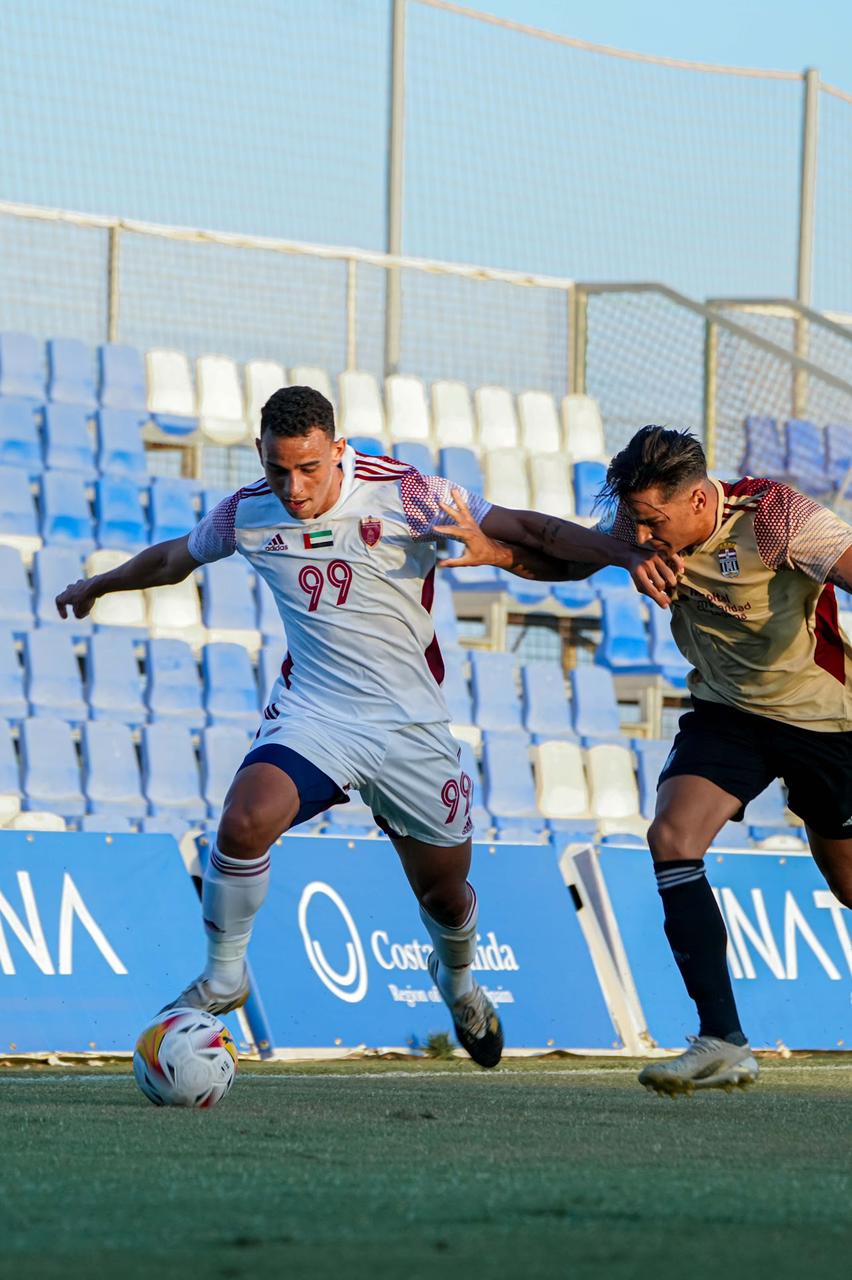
(834,859)
(817,768)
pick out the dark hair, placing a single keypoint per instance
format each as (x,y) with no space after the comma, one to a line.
(656,458)
(294,411)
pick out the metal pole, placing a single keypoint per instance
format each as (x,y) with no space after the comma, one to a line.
(113,283)
(396,160)
(807,205)
(711,353)
(351,314)
(581,313)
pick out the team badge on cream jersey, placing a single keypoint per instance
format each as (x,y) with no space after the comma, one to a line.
(354,588)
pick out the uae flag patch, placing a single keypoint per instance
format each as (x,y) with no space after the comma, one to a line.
(318,538)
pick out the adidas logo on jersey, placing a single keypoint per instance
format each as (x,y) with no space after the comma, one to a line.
(276,544)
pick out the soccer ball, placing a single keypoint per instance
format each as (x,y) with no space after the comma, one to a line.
(185,1058)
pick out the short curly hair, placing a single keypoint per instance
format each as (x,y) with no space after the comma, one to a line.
(296,411)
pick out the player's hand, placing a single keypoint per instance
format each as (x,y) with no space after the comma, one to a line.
(654,575)
(79,597)
(478,547)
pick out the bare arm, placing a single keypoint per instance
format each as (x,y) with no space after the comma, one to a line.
(161,565)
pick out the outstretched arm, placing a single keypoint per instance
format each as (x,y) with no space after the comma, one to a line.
(158,566)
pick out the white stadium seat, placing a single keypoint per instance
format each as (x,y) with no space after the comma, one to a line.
(175,612)
(220,400)
(506,478)
(583,428)
(122,608)
(309,375)
(361,411)
(452,415)
(37,820)
(540,431)
(405,407)
(170,385)
(612,782)
(498,425)
(263,378)
(560,780)
(550,480)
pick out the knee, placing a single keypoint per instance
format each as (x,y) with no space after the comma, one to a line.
(243,833)
(841,887)
(448,902)
(668,841)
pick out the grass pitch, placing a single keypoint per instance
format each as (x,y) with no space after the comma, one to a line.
(385,1169)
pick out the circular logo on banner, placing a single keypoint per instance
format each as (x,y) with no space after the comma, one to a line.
(351,985)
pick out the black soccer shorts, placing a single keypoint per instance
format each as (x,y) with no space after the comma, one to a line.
(743,753)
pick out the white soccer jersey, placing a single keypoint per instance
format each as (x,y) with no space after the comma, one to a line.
(354,588)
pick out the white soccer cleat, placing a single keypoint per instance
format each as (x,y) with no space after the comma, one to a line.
(708,1063)
(200,995)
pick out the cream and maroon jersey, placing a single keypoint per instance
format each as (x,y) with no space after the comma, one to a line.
(354,588)
(753,612)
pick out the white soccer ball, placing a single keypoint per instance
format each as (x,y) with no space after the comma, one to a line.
(185,1058)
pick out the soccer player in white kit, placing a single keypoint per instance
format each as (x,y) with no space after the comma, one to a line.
(346,543)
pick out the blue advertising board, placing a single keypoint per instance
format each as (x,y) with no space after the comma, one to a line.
(339,950)
(790,948)
(96,934)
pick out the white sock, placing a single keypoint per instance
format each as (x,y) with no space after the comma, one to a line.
(455,949)
(233,890)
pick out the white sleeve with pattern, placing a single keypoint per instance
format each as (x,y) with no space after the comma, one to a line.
(795,532)
(420,497)
(819,544)
(214,537)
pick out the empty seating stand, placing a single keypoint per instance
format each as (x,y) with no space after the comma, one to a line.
(498,423)
(71,373)
(19,442)
(806,457)
(509,789)
(415,454)
(764,451)
(22,367)
(171,393)
(593,703)
(113,681)
(230,689)
(583,429)
(230,609)
(173,688)
(69,439)
(223,748)
(18,520)
(545,700)
(262,379)
(16,611)
(121,377)
(13,704)
(624,642)
(54,685)
(171,509)
(66,515)
(461,467)
(121,449)
(121,520)
(111,770)
(170,772)
(220,400)
(539,422)
(50,767)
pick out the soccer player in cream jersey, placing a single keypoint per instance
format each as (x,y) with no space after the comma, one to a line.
(755,612)
(346,544)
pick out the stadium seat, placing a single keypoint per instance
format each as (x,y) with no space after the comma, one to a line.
(520,831)
(593,704)
(588,479)
(170,508)
(414,454)
(230,689)
(352,819)
(575,594)
(624,639)
(550,479)
(18,521)
(220,400)
(560,780)
(54,568)
(613,793)
(223,748)
(167,824)
(665,655)
(455,688)
(839,450)
(111,770)
(583,429)
(121,520)
(176,611)
(495,411)
(10,781)
(539,422)
(769,808)
(230,609)
(22,367)
(211,498)
(66,516)
(121,449)
(506,482)
(173,690)
(610,580)
(113,683)
(269,622)
(262,379)
(19,442)
(509,789)
(461,467)
(371,445)
(495,698)
(525,590)
(452,415)
(38,820)
(16,607)
(13,704)
(764,451)
(71,373)
(444,614)
(308,375)
(106,824)
(171,393)
(806,457)
(361,411)
(121,379)
(565,831)
(50,768)
(119,608)
(54,686)
(545,701)
(651,755)
(69,440)
(170,772)
(405,408)
(483,577)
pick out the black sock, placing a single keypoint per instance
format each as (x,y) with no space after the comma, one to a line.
(698,939)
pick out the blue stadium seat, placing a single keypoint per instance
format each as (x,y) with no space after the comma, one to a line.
(17,507)
(806,459)
(571,831)
(651,755)
(839,450)
(481,577)
(16,606)
(69,440)
(624,639)
(71,374)
(764,450)
(106,824)
(173,689)
(444,613)
(524,590)
(50,768)
(482,821)
(121,449)
(665,655)
(223,748)
(170,772)
(21,366)
(66,515)
(509,788)
(768,809)
(54,568)
(228,599)
(415,454)
(495,699)
(111,770)
(576,595)
(171,509)
(269,668)
(54,687)
(113,682)
(367,444)
(13,704)
(121,519)
(268,619)
(594,705)
(455,688)
(230,690)
(352,819)
(461,467)
(121,377)
(545,700)
(588,480)
(211,498)
(624,839)
(19,442)
(166,824)
(518,831)
(612,578)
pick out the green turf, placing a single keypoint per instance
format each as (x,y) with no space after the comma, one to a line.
(386,1169)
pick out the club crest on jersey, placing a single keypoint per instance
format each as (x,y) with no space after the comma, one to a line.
(275,543)
(728,562)
(370,531)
